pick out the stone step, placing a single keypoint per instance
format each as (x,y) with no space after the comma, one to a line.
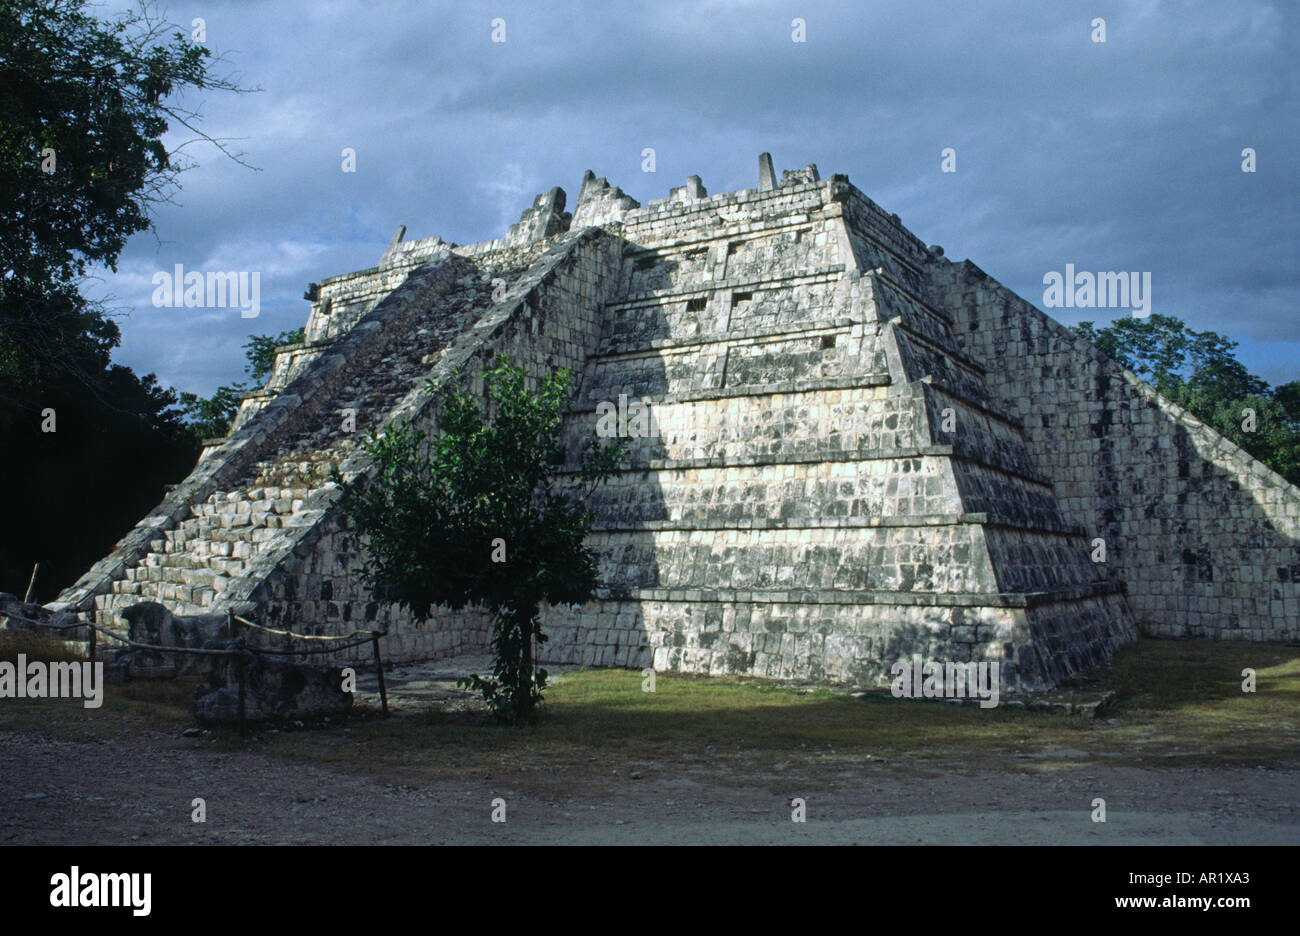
(281,505)
(177,598)
(189,566)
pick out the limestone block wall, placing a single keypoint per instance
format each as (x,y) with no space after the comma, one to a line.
(879,242)
(796,511)
(162,533)
(825,636)
(264,492)
(823,492)
(339,302)
(856,452)
(774,426)
(1206,538)
(549,319)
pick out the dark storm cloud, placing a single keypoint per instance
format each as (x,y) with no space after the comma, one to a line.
(1115,156)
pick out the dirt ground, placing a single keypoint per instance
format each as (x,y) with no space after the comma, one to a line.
(76,793)
(139,787)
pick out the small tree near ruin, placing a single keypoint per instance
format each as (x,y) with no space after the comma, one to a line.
(477,516)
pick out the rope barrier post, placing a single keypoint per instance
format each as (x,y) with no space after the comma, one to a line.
(379,669)
(230,623)
(243,727)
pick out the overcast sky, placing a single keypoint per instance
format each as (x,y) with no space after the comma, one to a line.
(1117,156)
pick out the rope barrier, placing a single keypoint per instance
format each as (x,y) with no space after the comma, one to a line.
(126,640)
(272,630)
(242,652)
(366,637)
(316,652)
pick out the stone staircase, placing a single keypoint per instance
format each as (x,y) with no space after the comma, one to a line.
(194,564)
(265,503)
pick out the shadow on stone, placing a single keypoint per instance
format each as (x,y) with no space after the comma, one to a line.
(274,689)
(150,623)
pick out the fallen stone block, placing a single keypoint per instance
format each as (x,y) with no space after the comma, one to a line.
(273,689)
(150,623)
(17,614)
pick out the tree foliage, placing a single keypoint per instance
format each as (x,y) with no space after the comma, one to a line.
(477,516)
(88,445)
(260,351)
(211,417)
(1200,372)
(83,108)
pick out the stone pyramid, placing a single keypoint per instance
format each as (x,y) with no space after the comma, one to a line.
(857,451)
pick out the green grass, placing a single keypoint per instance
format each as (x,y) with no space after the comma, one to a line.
(36,646)
(1176,703)
(162,704)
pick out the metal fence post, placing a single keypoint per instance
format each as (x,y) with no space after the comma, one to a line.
(243,728)
(379,669)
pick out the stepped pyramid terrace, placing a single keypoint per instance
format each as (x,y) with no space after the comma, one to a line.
(860,451)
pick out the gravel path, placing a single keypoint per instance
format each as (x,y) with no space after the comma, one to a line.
(139,790)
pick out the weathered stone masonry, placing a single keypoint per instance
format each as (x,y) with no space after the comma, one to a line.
(1206,538)
(863,451)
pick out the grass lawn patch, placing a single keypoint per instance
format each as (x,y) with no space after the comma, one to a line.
(1174,703)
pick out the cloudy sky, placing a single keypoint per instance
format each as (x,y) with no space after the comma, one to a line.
(1117,156)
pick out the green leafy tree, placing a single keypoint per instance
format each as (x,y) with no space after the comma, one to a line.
(84,105)
(260,351)
(476,516)
(210,417)
(1200,372)
(1288,397)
